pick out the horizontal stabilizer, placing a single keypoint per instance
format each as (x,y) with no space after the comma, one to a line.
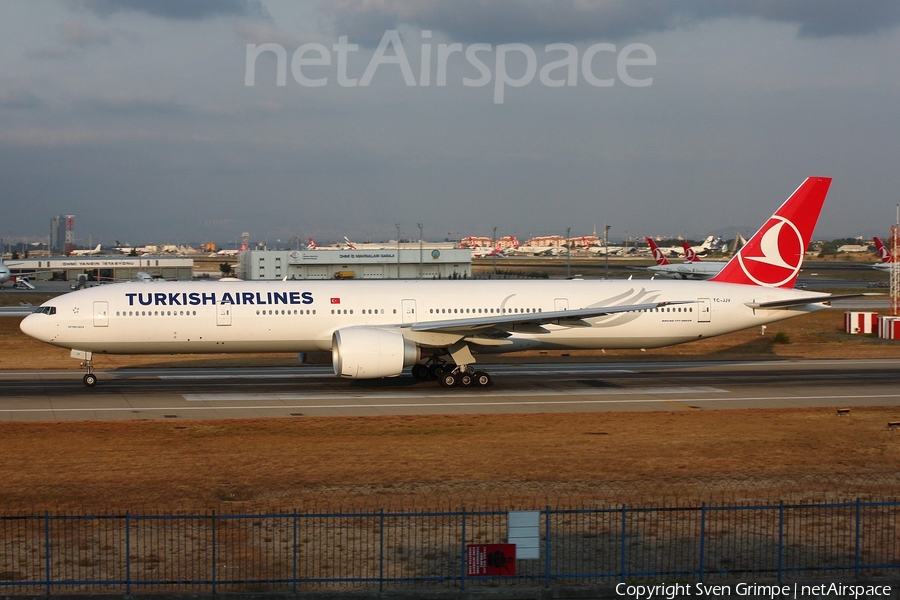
(824,299)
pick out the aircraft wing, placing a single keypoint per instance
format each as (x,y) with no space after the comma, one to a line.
(569,318)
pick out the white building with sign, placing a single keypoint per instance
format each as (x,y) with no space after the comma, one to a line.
(105,268)
(385,263)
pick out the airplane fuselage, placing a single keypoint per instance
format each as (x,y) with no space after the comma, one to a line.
(301,316)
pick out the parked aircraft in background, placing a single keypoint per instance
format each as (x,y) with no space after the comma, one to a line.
(710,243)
(695,269)
(243,248)
(482,252)
(690,255)
(85,252)
(20,281)
(885,253)
(375,329)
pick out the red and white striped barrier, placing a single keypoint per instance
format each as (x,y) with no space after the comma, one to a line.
(889,328)
(861,322)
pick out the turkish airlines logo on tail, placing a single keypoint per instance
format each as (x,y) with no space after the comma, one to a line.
(884,253)
(776,260)
(658,254)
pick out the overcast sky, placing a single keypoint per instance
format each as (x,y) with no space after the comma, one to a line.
(675,118)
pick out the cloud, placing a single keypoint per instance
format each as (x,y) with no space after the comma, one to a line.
(133,104)
(76,35)
(18,99)
(532,21)
(186,10)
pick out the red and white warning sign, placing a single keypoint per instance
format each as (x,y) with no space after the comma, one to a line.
(490,560)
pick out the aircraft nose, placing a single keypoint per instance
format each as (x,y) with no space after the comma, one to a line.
(28,326)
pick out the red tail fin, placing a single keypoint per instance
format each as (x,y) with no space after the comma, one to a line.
(689,254)
(773,256)
(657,253)
(883,252)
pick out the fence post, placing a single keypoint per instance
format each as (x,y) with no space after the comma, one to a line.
(214,553)
(702,536)
(381,552)
(47,546)
(127,553)
(780,538)
(547,549)
(462,575)
(858,533)
(623,544)
(296,550)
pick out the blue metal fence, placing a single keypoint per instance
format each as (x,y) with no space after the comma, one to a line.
(129,553)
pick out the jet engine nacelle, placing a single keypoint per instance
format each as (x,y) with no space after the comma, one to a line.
(368,353)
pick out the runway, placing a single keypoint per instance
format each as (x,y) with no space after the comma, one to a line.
(304,391)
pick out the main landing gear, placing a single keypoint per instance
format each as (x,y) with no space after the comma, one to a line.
(450,375)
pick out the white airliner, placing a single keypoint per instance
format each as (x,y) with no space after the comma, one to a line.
(377,328)
(695,269)
(885,253)
(19,280)
(90,252)
(243,248)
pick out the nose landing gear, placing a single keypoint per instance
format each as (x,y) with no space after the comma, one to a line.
(90,380)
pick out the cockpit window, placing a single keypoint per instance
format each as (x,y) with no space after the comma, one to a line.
(46,310)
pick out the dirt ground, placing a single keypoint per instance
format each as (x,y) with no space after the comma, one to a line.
(315,461)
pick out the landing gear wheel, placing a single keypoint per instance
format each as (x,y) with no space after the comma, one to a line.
(420,371)
(90,380)
(482,379)
(465,379)
(447,380)
(435,371)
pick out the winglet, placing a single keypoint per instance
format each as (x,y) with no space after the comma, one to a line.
(773,256)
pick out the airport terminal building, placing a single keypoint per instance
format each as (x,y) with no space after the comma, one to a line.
(104,268)
(338,263)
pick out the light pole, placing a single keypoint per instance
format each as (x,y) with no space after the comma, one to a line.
(397,225)
(493,247)
(420,250)
(568,254)
(606,245)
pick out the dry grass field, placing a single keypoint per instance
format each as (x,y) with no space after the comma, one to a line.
(243,463)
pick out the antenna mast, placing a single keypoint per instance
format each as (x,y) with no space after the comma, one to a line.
(895,266)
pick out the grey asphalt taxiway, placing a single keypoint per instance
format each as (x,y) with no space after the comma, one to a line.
(312,391)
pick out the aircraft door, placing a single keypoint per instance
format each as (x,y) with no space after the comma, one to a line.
(408,308)
(704,314)
(560,304)
(223,314)
(101,314)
